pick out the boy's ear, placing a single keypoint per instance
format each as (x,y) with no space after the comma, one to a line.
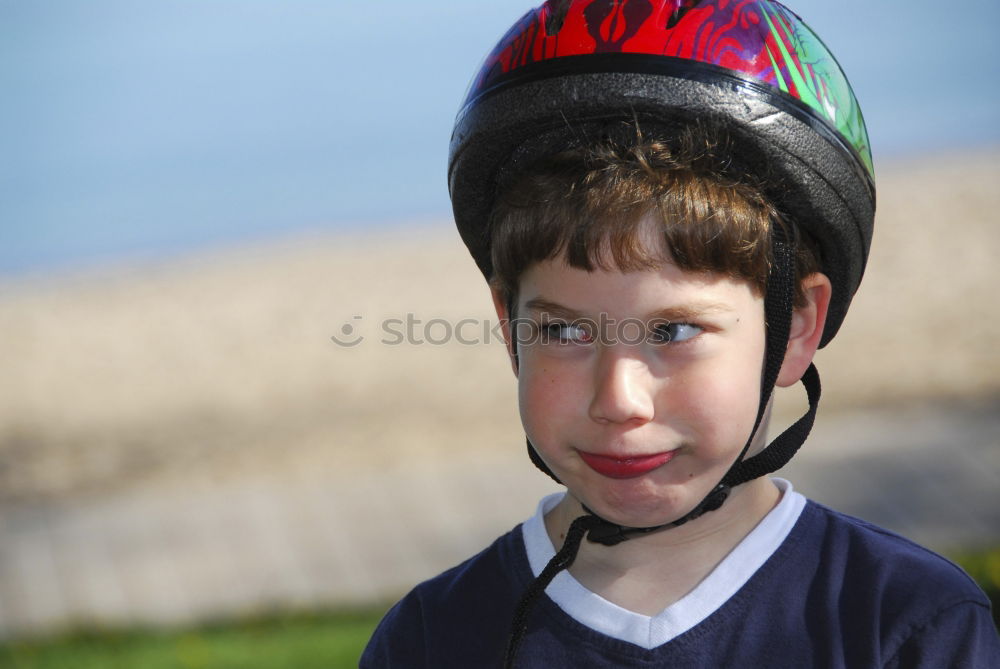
(500,305)
(806,330)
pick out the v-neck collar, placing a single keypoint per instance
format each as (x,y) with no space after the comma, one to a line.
(708,596)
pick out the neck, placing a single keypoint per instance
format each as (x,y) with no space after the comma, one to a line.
(649,572)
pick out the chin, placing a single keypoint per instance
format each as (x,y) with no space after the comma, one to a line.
(637,506)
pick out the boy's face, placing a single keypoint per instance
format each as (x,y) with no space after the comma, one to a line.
(639,431)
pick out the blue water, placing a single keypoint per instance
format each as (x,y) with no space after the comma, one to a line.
(140,129)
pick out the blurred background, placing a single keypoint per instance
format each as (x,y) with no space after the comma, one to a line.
(195,197)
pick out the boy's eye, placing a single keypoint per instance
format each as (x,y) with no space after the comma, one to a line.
(664,333)
(565,333)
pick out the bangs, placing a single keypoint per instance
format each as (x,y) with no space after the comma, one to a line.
(596,208)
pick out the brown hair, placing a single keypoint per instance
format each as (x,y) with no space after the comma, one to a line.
(589,204)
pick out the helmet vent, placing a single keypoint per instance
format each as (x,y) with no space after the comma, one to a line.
(681,7)
(556,16)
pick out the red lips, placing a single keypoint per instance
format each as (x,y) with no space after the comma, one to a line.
(627,467)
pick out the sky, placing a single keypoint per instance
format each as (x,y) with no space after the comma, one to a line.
(134,130)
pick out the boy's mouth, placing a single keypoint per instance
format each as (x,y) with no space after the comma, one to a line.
(625,467)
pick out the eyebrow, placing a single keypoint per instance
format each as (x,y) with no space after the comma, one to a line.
(540,304)
(674,314)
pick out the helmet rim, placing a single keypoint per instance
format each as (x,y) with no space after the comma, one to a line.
(815,181)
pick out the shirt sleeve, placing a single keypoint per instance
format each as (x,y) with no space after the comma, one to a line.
(961,636)
(398,641)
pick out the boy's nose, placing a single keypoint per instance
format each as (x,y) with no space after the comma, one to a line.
(621,390)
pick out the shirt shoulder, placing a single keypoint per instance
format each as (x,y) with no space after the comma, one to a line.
(873,556)
(916,607)
(460,617)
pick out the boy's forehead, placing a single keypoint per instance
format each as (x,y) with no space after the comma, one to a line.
(554,286)
(649,252)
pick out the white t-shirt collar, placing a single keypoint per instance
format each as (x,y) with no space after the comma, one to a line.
(715,590)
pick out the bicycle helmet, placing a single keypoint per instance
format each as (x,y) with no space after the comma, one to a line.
(752,65)
(574,68)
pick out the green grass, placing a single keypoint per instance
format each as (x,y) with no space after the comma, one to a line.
(984,567)
(303,641)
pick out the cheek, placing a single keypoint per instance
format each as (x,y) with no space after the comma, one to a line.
(549,398)
(717,403)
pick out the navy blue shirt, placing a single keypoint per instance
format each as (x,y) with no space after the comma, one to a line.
(838,592)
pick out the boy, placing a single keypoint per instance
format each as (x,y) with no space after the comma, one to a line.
(672,202)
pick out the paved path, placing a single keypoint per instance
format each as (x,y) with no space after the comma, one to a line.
(174,553)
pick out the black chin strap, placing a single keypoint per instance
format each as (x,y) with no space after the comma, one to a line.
(778,307)
(561,560)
